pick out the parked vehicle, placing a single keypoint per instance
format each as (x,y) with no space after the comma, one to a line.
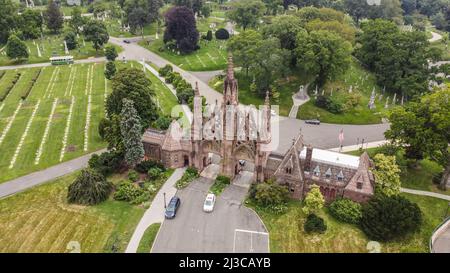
(210,200)
(127,41)
(313,121)
(172,207)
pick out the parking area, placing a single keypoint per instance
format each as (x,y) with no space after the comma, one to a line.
(231,227)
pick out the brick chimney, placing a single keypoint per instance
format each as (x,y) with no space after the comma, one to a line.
(308,158)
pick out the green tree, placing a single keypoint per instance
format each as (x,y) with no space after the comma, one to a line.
(314,200)
(247,13)
(16,48)
(95,31)
(243,48)
(77,21)
(357,9)
(110,70)
(386,218)
(423,129)
(270,193)
(30,24)
(111,53)
(71,40)
(130,127)
(132,84)
(89,188)
(344,30)
(387,175)
(8,14)
(323,54)
(54,17)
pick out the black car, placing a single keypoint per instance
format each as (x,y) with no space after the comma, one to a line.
(172,207)
(127,41)
(313,121)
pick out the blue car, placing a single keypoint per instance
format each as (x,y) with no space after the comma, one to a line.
(172,207)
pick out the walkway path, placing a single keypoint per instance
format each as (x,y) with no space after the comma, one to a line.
(155,214)
(435,37)
(298,101)
(426,193)
(40,177)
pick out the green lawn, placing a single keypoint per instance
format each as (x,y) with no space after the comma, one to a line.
(146,243)
(287,234)
(286,88)
(40,220)
(211,55)
(361,114)
(52,45)
(20,145)
(114,29)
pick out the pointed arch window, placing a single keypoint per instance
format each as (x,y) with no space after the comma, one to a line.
(328,173)
(340,176)
(317,171)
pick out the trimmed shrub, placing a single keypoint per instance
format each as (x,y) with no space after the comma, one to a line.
(163,71)
(190,174)
(314,224)
(133,175)
(146,165)
(154,172)
(222,34)
(89,188)
(387,218)
(128,192)
(106,163)
(345,210)
(328,104)
(270,194)
(209,35)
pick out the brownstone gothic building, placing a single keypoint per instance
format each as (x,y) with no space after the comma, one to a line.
(229,130)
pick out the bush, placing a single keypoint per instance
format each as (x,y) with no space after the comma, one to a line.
(133,175)
(209,35)
(328,104)
(111,53)
(222,34)
(71,40)
(162,123)
(146,165)
(314,223)
(154,172)
(89,188)
(345,210)
(387,218)
(128,192)
(270,194)
(102,125)
(163,71)
(190,174)
(106,163)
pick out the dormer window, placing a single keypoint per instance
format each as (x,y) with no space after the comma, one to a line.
(328,173)
(340,176)
(317,171)
(359,185)
(288,170)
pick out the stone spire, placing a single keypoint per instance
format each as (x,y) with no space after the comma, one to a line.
(196,90)
(230,92)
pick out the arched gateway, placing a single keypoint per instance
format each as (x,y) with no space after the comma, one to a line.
(240,133)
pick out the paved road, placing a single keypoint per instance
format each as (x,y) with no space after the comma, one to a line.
(442,242)
(231,227)
(88,60)
(155,214)
(435,37)
(40,177)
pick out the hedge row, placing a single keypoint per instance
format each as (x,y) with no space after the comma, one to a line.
(184,90)
(10,87)
(27,90)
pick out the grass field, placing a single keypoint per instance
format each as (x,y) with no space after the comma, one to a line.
(40,220)
(287,234)
(363,83)
(52,45)
(286,88)
(211,55)
(114,29)
(146,243)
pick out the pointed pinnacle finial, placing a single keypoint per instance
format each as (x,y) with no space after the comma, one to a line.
(196,91)
(230,69)
(267,101)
